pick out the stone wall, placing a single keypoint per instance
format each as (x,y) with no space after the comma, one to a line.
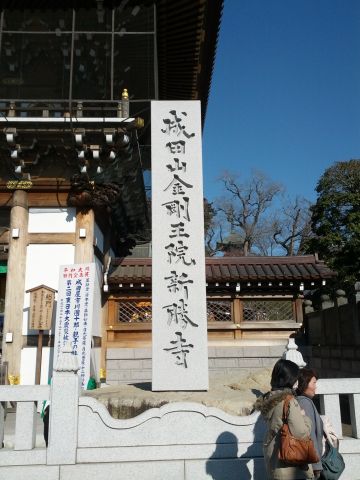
(130,365)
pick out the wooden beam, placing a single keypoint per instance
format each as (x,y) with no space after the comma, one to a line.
(5,198)
(51,238)
(48,199)
(4,237)
(43,198)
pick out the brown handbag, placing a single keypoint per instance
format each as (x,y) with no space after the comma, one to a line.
(295,451)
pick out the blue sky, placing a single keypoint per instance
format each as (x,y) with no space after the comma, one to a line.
(285,95)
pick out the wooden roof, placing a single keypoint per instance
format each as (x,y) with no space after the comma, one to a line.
(187,38)
(187,33)
(231,270)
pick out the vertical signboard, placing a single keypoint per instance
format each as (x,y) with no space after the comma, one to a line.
(74,314)
(41,307)
(179,329)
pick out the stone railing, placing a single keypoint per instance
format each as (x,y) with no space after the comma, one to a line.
(177,441)
(329,391)
(26,397)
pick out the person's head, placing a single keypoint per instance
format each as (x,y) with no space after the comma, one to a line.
(307,382)
(284,375)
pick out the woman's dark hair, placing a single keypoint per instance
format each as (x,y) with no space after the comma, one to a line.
(284,374)
(305,375)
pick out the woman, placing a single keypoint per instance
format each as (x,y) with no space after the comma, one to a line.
(306,391)
(283,382)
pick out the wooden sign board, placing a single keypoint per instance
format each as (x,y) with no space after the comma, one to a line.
(41,307)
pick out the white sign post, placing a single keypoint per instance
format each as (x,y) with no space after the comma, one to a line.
(74,314)
(179,322)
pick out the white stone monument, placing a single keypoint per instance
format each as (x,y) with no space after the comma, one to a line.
(179,322)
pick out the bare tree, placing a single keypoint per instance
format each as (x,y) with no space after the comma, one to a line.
(293,226)
(213,229)
(264,244)
(245,204)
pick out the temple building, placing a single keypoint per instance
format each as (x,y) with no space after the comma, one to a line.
(254,304)
(77,78)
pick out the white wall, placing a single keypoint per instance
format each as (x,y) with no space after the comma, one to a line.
(95,363)
(28,364)
(52,220)
(99,238)
(42,268)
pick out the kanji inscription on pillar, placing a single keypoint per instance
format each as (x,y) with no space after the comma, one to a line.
(179,330)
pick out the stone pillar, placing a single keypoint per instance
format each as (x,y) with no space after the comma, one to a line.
(84,240)
(292,353)
(179,322)
(326,302)
(340,298)
(15,285)
(357,292)
(330,406)
(64,408)
(308,306)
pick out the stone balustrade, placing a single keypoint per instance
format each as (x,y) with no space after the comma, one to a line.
(26,398)
(329,391)
(177,440)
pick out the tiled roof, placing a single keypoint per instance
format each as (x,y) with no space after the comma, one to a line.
(231,269)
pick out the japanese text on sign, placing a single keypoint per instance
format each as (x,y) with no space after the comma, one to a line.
(179,303)
(74,313)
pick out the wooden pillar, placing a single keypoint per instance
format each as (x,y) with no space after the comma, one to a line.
(108,306)
(238,310)
(237,316)
(104,319)
(84,238)
(15,284)
(299,310)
